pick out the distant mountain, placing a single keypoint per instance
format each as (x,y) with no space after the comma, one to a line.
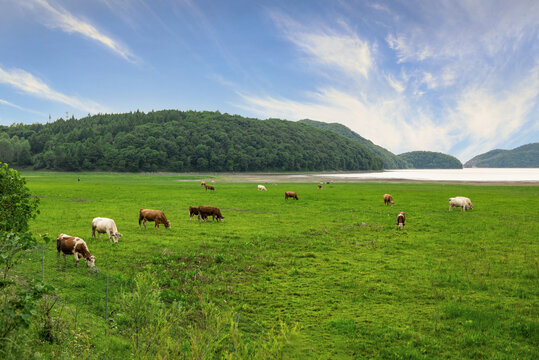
(431,160)
(525,156)
(391,161)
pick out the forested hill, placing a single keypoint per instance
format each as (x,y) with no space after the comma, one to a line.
(431,160)
(391,161)
(525,156)
(172,140)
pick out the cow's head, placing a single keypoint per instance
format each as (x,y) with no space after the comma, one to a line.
(401,226)
(90,261)
(167,224)
(222,218)
(116,236)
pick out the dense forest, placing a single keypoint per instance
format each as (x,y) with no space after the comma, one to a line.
(391,161)
(525,156)
(171,140)
(431,160)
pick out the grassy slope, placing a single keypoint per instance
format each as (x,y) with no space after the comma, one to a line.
(452,284)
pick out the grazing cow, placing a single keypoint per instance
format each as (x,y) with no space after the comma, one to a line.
(202,183)
(290,194)
(209,187)
(460,201)
(193,210)
(401,218)
(153,215)
(205,211)
(319,186)
(388,199)
(262,188)
(104,225)
(72,245)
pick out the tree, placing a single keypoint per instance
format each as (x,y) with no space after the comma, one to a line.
(17,207)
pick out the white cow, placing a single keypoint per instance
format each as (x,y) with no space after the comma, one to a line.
(460,201)
(105,225)
(262,188)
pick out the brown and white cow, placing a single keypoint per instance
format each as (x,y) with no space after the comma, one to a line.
(205,211)
(72,245)
(460,201)
(209,187)
(319,186)
(401,218)
(290,194)
(193,210)
(153,215)
(388,199)
(105,226)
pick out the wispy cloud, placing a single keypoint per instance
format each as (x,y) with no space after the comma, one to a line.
(488,118)
(55,16)
(29,84)
(5,102)
(343,50)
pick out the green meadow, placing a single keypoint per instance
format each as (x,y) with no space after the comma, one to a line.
(326,277)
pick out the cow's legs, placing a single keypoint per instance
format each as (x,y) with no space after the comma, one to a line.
(144,222)
(76,259)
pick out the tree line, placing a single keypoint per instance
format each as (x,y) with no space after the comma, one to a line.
(180,141)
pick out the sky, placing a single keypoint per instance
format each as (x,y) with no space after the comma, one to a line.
(457,76)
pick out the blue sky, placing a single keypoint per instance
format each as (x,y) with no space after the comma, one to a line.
(460,77)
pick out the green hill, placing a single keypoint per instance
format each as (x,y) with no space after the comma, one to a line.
(525,156)
(431,160)
(391,161)
(172,140)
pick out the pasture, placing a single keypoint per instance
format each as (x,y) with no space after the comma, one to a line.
(330,271)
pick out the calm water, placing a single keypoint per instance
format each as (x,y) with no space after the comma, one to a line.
(467,174)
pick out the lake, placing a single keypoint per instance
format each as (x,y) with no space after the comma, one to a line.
(466,175)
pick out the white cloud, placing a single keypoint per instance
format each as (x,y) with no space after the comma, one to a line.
(58,17)
(29,84)
(395,84)
(341,50)
(489,118)
(5,102)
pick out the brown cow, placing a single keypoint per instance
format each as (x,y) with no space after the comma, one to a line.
(290,194)
(205,211)
(72,245)
(209,187)
(401,218)
(193,210)
(319,186)
(388,199)
(153,215)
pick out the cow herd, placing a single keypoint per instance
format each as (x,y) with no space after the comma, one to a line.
(72,245)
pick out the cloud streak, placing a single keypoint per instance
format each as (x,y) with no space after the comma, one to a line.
(29,84)
(5,102)
(58,17)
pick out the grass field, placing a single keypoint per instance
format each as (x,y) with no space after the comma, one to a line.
(332,268)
